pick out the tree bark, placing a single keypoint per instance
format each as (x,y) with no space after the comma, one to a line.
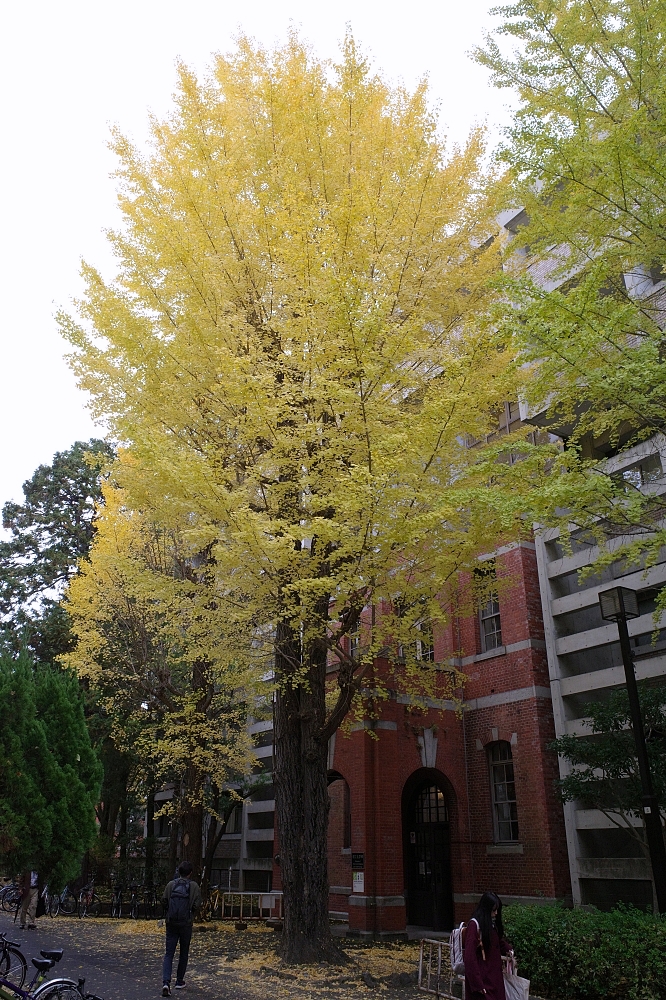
(301,800)
(122,833)
(173,846)
(192,839)
(150,836)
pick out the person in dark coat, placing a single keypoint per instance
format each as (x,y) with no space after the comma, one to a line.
(484,946)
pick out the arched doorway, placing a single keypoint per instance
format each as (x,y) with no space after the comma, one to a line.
(427,853)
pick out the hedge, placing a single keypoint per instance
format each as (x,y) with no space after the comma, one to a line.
(589,955)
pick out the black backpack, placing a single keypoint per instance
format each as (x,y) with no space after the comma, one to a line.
(179,911)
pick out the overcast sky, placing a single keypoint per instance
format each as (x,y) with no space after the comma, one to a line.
(70,69)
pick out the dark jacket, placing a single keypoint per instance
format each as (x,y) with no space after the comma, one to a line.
(195,897)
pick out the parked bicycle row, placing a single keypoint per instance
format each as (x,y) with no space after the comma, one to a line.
(136,902)
(14,971)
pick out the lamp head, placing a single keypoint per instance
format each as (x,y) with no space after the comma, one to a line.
(618,602)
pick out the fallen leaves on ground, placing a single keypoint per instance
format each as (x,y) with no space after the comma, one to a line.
(220,955)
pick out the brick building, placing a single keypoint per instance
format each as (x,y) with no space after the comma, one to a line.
(434,807)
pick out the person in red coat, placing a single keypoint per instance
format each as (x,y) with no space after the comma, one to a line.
(484,946)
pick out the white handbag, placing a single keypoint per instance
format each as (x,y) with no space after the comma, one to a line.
(515,987)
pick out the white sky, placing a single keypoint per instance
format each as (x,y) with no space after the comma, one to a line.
(70,69)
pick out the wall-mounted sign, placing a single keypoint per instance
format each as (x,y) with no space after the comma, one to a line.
(358,862)
(358,881)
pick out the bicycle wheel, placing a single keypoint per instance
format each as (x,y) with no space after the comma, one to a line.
(57,989)
(68,903)
(94,907)
(13,966)
(54,906)
(116,908)
(134,908)
(11,899)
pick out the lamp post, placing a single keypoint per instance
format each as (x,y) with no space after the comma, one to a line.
(617,605)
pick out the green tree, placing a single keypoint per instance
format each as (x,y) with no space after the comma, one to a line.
(50,776)
(582,292)
(48,534)
(604,772)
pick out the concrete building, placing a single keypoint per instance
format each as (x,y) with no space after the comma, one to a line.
(584,660)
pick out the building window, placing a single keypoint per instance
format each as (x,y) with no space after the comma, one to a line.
(355,642)
(642,473)
(503,786)
(491,628)
(425,644)
(431,806)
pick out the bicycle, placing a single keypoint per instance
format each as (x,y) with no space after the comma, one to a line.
(89,902)
(11,897)
(64,903)
(51,902)
(9,887)
(52,989)
(213,905)
(117,901)
(134,901)
(13,965)
(150,903)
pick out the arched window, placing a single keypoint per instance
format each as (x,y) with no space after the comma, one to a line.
(503,790)
(430,806)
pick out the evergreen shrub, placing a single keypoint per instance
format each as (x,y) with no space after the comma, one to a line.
(589,955)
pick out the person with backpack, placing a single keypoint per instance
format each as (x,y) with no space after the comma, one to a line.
(483,949)
(181,900)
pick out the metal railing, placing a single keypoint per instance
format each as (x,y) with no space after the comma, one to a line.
(251,905)
(435,976)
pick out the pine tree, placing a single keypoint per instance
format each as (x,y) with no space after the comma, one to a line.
(49,775)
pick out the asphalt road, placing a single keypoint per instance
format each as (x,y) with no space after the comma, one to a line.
(117,972)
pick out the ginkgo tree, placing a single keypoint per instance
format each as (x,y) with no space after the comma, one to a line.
(134,609)
(298,355)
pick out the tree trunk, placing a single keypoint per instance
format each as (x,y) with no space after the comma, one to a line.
(150,837)
(173,846)
(191,849)
(301,800)
(122,833)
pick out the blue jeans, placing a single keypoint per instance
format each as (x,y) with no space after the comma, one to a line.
(174,936)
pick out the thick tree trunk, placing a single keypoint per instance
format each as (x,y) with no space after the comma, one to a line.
(301,800)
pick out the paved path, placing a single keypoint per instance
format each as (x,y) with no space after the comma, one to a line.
(130,973)
(122,960)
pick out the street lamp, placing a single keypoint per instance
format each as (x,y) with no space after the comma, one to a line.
(617,605)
